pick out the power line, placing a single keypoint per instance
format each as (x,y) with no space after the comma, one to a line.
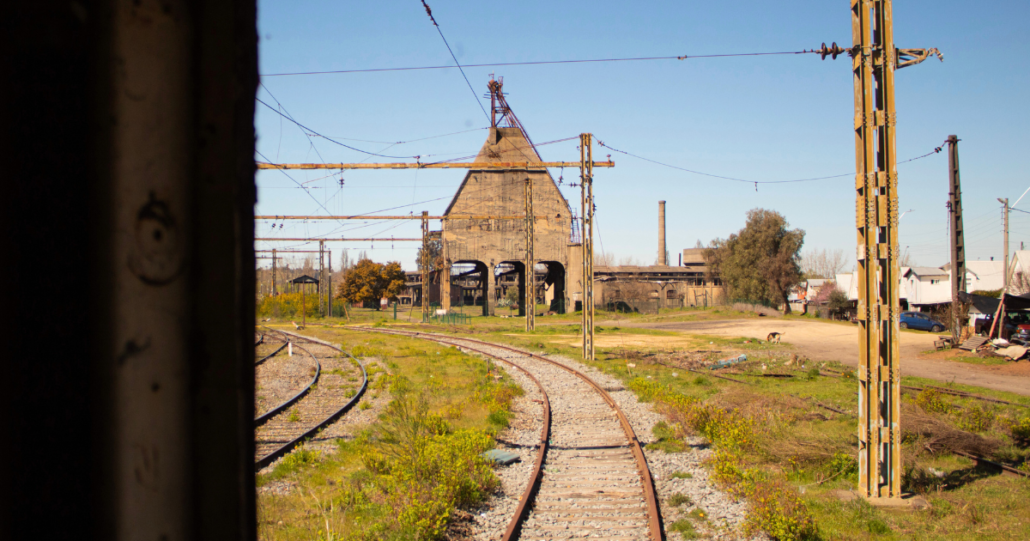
(474,95)
(755,182)
(405,142)
(537,63)
(331,140)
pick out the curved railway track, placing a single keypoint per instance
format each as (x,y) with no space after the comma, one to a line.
(590,479)
(315,407)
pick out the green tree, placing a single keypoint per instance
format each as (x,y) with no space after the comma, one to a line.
(435,253)
(838,302)
(762,262)
(369,281)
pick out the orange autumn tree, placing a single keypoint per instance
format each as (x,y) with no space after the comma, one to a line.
(369,281)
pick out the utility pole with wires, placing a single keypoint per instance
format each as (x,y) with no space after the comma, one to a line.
(1005,243)
(530,272)
(874,60)
(275,269)
(424,263)
(586,169)
(321,279)
(958,247)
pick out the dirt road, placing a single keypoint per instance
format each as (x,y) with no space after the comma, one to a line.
(823,341)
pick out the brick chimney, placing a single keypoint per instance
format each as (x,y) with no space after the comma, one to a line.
(662,252)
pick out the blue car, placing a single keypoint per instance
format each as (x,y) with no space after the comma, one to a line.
(923,322)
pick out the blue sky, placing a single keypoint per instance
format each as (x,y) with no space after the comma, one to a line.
(760,118)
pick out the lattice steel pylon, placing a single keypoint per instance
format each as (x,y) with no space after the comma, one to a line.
(530,273)
(874,60)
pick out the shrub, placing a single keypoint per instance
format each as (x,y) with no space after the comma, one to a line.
(843,465)
(1020,431)
(932,401)
(978,418)
(421,472)
(682,475)
(776,509)
(288,305)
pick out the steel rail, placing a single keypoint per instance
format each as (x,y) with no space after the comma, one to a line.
(260,341)
(835,374)
(289,446)
(650,494)
(264,417)
(270,355)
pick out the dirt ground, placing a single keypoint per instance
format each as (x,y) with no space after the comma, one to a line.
(822,341)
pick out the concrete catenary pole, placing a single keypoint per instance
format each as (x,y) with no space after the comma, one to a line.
(958,247)
(663,255)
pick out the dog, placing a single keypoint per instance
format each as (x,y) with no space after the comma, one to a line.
(774,337)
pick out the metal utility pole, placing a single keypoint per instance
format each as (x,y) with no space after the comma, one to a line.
(321,278)
(958,246)
(425,266)
(329,283)
(586,168)
(1005,245)
(274,271)
(875,59)
(530,274)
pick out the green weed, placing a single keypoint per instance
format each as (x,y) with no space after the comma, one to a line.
(684,528)
(679,499)
(682,475)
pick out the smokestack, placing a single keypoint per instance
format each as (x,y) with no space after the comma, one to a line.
(662,253)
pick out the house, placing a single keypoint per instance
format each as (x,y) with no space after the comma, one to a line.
(926,286)
(982,275)
(1019,272)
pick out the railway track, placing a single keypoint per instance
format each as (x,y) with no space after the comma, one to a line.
(290,423)
(590,479)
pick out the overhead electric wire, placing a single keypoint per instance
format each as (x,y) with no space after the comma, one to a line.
(330,139)
(538,63)
(756,182)
(295,181)
(439,31)
(392,143)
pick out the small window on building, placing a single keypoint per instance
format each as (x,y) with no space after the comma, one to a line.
(617,293)
(654,294)
(670,294)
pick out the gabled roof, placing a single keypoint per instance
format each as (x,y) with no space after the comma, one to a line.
(304,279)
(926,271)
(502,145)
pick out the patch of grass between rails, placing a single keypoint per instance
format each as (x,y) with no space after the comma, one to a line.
(789,458)
(403,476)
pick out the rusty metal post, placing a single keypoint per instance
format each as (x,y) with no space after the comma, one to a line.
(587,198)
(958,247)
(877,219)
(424,263)
(530,274)
(329,283)
(320,286)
